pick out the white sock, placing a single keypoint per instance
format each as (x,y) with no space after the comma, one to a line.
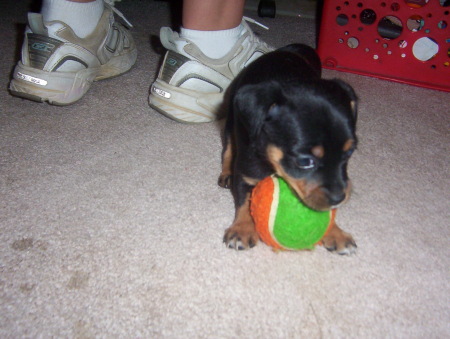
(81,17)
(214,44)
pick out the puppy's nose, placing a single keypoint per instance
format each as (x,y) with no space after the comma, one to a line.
(336,198)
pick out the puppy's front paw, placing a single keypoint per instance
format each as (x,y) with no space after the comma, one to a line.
(225,180)
(339,242)
(241,236)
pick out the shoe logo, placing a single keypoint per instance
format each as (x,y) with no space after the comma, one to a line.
(42,47)
(161,92)
(171,62)
(29,78)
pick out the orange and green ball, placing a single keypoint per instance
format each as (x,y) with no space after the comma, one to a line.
(282,220)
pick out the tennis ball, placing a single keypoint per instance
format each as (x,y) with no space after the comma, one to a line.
(282,220)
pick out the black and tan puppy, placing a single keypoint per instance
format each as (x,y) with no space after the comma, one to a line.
(284,119)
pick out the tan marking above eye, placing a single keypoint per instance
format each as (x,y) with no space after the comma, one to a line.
(274,153)
(318,151)
(348,145)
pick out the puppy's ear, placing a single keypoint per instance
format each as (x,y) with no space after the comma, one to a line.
(352,95)
(255,104)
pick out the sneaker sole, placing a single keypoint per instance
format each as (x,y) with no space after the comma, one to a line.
(183,105)
(64,88)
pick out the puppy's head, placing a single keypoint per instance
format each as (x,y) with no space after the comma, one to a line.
(306,133)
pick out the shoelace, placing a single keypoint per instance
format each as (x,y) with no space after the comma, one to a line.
(110,4)
(246,18)
(253,37)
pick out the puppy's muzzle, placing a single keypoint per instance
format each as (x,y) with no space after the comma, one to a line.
(319,197)
(335,197)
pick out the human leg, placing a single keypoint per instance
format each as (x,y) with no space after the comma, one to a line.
(213,26)
(212,15)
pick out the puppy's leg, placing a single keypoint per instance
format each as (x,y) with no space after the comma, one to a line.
(339,241)
(227,161)
(242,234)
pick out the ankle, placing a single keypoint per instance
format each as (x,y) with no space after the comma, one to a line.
(214,44)
(82,17)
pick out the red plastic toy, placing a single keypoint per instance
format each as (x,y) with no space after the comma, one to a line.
(406,41)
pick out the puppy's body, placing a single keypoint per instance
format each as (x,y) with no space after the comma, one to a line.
(284,119)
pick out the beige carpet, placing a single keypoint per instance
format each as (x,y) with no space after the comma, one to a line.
(111,220)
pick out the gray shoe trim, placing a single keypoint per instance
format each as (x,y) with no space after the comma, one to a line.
(172,62)
(40,49)
(69,58)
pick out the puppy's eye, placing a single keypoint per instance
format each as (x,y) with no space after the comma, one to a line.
(306,163)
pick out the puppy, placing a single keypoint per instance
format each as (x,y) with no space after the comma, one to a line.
(284,119)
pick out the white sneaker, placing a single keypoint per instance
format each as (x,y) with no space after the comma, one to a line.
(190,86)
(58,67)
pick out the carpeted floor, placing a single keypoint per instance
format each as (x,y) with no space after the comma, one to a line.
(111,220)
